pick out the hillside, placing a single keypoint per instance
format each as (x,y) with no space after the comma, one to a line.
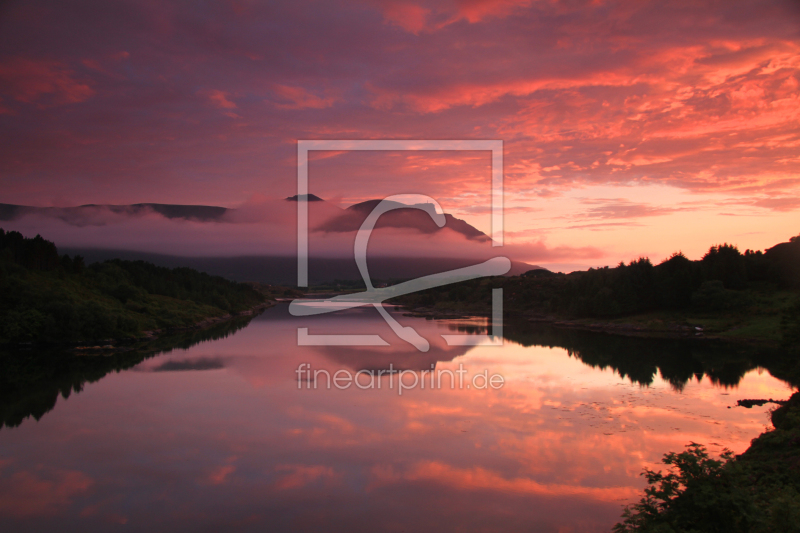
(52,298)
(750,295)
(272,265)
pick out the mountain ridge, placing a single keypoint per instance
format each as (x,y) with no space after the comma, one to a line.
(273,268)
(350,220)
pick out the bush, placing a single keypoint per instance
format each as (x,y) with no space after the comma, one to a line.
(756,492)
(790,328)
(713,296)
(694,495)
(26,324)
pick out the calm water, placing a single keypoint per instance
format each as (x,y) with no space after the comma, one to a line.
(218,436)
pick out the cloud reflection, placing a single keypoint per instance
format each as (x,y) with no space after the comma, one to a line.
(560,445)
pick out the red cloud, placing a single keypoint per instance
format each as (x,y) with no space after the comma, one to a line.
(409,16)
(300,98)
(28,494)
(616,208)
(786,203)
(477,10)
(415,17)
(32,80)
(220,99)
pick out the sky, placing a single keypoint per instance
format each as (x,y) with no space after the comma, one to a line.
(630,128)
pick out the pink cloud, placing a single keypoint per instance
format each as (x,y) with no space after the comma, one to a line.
(300,98)
(478,10)
(537,251)
(220,475)
(409,16)
(220,99)
(298,476)
(613,208)
(32,80)
(784,203)
(28,494)
(415,17)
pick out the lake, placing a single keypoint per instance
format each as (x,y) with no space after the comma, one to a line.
(223,432)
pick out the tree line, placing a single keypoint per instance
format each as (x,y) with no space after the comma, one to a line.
(48,297)
(716,283)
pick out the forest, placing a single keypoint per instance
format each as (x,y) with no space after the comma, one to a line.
(724,288)
(47,297)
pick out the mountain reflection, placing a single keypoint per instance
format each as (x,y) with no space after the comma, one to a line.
(226,434)
(32,380)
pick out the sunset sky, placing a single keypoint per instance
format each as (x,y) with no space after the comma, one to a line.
(630,127)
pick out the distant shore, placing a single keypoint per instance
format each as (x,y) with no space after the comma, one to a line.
(651,325)
(93,347)
(114,344)
(213,320)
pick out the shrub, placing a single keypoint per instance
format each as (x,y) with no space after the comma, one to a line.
(713,296)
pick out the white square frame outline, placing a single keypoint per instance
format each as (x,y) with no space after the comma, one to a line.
(494,146)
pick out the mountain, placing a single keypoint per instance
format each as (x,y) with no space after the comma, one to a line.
(309,197)
(350,219)
(402,217)
(74,215)
(277,268)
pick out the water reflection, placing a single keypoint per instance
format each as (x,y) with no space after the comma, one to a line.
(202,363)
(640,360)
(31,380)
(235,445)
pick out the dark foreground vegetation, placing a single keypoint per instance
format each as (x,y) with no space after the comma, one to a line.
(752,294)
(756,492)
(45,297)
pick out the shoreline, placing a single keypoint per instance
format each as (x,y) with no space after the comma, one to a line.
(624,329)
(92,347)
(211,321)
